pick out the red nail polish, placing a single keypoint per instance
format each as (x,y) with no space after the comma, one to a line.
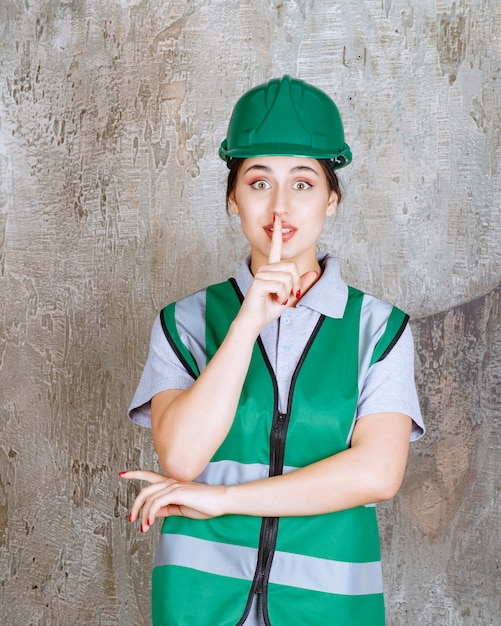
(298,294)
(130,517)
(121,473)
(285,303)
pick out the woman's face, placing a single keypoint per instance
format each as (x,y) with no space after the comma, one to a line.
(293,188)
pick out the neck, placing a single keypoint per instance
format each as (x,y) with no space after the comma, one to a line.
(304,265)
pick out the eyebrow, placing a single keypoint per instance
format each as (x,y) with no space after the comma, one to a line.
(294,170)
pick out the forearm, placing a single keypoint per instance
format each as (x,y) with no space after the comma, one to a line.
(368,472)
(364,474)
(313,490)
(189,426)
(189,429)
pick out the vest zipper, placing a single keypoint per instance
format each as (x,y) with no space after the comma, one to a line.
(278,433)
(277,443)
(270,524)
(265,553)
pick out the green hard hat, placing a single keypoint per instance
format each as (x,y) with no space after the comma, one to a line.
(286,117)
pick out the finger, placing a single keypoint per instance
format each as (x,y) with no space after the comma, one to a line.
(162,504)
(272,284)
(276,241)
(307,280)
(148,475)
(144,499)
(156,506)
(290,281)
(168,510)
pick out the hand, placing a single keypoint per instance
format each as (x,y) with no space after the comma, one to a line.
(275,285)
(165,496)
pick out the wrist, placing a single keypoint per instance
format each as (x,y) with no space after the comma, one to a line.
(244,329)
(230,500)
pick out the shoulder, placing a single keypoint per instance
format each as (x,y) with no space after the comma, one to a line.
(370,302)
(194,305)
(381,323)
(376,310)
(198,298)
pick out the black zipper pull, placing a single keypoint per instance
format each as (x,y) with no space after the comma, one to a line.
(260,581)
(280,421)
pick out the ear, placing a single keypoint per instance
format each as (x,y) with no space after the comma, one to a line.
(232,203)
(332,204)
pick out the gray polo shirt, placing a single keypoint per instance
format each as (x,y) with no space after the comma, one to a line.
(388,387)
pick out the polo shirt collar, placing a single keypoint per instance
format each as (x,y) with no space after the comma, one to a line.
(328,296)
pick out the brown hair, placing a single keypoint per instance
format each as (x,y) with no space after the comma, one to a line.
(234,166)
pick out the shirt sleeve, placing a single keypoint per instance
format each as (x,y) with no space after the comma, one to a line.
(390,387)
(162,371)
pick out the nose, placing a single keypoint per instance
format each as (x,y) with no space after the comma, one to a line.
(279,202)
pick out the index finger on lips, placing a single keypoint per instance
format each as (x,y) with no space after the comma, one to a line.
(276,241)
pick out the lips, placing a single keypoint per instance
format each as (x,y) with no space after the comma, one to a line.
(288,231)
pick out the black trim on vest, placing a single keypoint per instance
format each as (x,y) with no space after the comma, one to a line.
(176,349)
(394,340)
(278,436)
(235,286)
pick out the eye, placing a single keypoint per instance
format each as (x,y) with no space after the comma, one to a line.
(301,185)
(260,184)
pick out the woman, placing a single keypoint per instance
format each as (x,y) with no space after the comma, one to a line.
(281,403)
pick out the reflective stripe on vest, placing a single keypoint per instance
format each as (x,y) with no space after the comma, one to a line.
(233,473)
(293,570)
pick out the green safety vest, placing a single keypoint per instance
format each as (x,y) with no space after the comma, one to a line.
(311,570)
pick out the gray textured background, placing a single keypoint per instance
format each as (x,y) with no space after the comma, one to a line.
(112,205)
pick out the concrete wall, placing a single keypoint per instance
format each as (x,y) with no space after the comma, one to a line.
(112,205)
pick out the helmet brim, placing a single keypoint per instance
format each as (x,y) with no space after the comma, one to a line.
(340,158)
